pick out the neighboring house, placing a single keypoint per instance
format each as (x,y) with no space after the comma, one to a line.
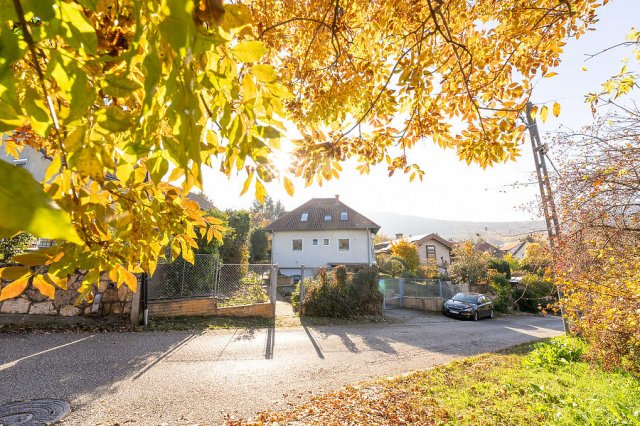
(202,200)
(516,249)
(35,163)
(489,248)
(323,232)
(431,247)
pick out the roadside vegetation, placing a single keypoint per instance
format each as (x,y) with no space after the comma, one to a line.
(340,294)
(545,383)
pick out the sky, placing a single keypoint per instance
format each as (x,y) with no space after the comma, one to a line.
(451,189)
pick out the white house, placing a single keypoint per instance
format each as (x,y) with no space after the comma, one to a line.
(430,247)
(323,232)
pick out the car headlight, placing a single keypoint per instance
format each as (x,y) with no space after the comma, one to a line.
(467,310)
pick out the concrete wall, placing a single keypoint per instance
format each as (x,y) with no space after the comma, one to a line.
(206,307)
(431,304)
(289,260)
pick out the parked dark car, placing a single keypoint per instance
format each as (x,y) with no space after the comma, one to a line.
(469,305)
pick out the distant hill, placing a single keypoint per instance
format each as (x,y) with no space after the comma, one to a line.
(496,233)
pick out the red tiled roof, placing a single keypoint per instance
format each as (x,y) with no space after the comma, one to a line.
(317,209)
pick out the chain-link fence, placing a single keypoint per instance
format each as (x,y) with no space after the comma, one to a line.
(396,289)
(232,285)
(243,284)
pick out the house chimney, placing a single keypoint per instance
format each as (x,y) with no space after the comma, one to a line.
(398,236)
(337,199)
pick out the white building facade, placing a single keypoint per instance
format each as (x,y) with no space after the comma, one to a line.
(323,232)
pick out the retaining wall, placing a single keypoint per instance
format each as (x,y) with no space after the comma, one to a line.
(206,307)
(431,304)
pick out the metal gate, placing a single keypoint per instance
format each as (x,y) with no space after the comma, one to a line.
(230,284)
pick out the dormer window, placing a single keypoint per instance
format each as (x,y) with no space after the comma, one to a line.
(327,217)
(344,216)
(304,217)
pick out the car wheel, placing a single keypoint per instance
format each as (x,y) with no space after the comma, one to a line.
(475,316)
(492,315)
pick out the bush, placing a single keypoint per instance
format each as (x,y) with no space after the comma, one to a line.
(534,294)
(557,351)
(500,286)
(339,294)
(502,266)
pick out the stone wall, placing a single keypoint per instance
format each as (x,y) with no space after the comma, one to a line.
(431,304)
(113,301)
(206,306)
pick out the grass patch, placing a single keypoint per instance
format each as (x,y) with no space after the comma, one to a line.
(206,323)
(505,388)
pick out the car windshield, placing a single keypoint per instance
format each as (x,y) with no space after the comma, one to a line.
(468,298)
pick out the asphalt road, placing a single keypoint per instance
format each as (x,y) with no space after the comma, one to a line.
(188,378)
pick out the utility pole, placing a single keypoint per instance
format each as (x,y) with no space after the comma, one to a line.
(548,204)
(546,195)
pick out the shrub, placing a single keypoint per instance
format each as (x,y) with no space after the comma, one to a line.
(502,266)
(534,293)
(557,351)
(500,286)
(339,294)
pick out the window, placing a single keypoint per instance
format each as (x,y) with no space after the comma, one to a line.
(344,216)
(326,242)
(296,245)
(304,217)
(22,162)
(431,252)
(343,244)
(314,242)
(327,217)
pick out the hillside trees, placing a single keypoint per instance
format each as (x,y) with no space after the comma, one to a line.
(132,99)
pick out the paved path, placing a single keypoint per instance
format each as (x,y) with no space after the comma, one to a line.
(187,378)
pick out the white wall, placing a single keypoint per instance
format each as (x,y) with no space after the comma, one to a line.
(36,163)
(360,249)
(442,252)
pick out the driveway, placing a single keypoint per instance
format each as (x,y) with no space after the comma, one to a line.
(187,378)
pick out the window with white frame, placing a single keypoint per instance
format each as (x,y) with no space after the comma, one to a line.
(344,216)
(304,217)
(343,244)
(326,242)
(296,245)
(314,242)
(327,217)
(431,252)
(21,162)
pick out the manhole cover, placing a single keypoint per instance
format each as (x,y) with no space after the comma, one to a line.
(33,413)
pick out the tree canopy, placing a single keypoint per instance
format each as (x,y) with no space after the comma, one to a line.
(130,100)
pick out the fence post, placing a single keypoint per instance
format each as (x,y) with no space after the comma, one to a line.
(401,290)
(274,287)
(384,293)
(301,293)
(440,287)
(184,265)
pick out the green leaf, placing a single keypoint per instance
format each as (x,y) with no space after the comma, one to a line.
(249,51)
(114,119)
(120,87)
(78,31)
(24,207)
(37,112)
(11,49)
(264,73)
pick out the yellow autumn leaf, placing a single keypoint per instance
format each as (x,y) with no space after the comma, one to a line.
(288,185)
(44,287)
(556,109)
(261,192)
(544,113)
(14,289)
(129,279)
